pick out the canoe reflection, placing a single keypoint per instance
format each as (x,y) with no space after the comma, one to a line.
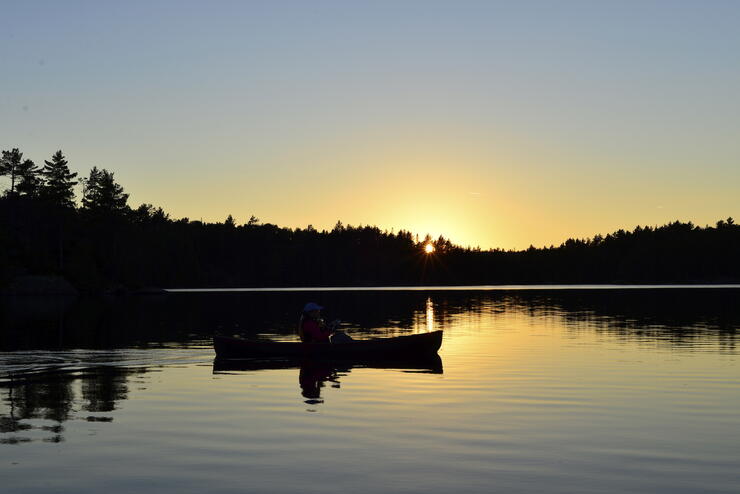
(314,373)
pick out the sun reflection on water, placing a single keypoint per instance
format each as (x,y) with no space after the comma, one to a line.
(430,314)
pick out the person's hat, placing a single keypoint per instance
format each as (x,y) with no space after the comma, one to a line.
(311,306)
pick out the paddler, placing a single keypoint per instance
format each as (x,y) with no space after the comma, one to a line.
(311,327)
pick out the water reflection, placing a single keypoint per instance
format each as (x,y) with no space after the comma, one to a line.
(681,318)
(39,398)
(45,401)
(313,374)
(566,391)
(192,318)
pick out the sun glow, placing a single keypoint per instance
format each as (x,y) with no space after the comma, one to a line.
(428,248)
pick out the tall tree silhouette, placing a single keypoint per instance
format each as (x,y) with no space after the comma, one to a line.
(89,187)
(58,181)
(102,194)
(9,165)
(29,180)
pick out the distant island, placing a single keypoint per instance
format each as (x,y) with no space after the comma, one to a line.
(51,243)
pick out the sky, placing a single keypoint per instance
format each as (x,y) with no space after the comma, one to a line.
(495,124)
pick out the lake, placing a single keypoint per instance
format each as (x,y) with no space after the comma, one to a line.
(545,389)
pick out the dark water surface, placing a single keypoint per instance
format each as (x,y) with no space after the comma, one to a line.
(548,390)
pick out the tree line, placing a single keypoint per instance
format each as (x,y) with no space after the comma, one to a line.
(54,183)
(102,243)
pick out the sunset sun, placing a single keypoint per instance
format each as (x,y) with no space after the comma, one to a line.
(428,248)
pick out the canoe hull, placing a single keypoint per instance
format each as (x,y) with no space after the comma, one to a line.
(418,344)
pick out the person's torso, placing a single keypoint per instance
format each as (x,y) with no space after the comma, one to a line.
(313,332)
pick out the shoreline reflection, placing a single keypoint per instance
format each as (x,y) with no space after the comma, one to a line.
(187,319)
(46,400)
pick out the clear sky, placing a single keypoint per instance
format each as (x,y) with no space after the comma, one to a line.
(499,124)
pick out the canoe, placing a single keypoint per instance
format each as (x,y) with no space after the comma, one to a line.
(417,344)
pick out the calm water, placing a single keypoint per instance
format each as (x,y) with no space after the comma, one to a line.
(535,391)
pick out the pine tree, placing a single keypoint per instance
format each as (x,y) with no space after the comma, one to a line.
(9,165)
(58,181)
(102,194)
(90,187)
(28,178)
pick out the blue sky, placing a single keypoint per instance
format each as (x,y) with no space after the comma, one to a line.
(500,124)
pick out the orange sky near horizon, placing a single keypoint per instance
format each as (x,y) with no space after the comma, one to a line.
(495,124)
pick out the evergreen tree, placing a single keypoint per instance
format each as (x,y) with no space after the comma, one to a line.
(102,194)
(58,181)
(9,165)
(29,181)
(146,213)
(90,186)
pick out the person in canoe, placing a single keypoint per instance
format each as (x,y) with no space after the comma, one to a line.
(312,329)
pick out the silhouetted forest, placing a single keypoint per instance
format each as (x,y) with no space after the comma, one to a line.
(102,243)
